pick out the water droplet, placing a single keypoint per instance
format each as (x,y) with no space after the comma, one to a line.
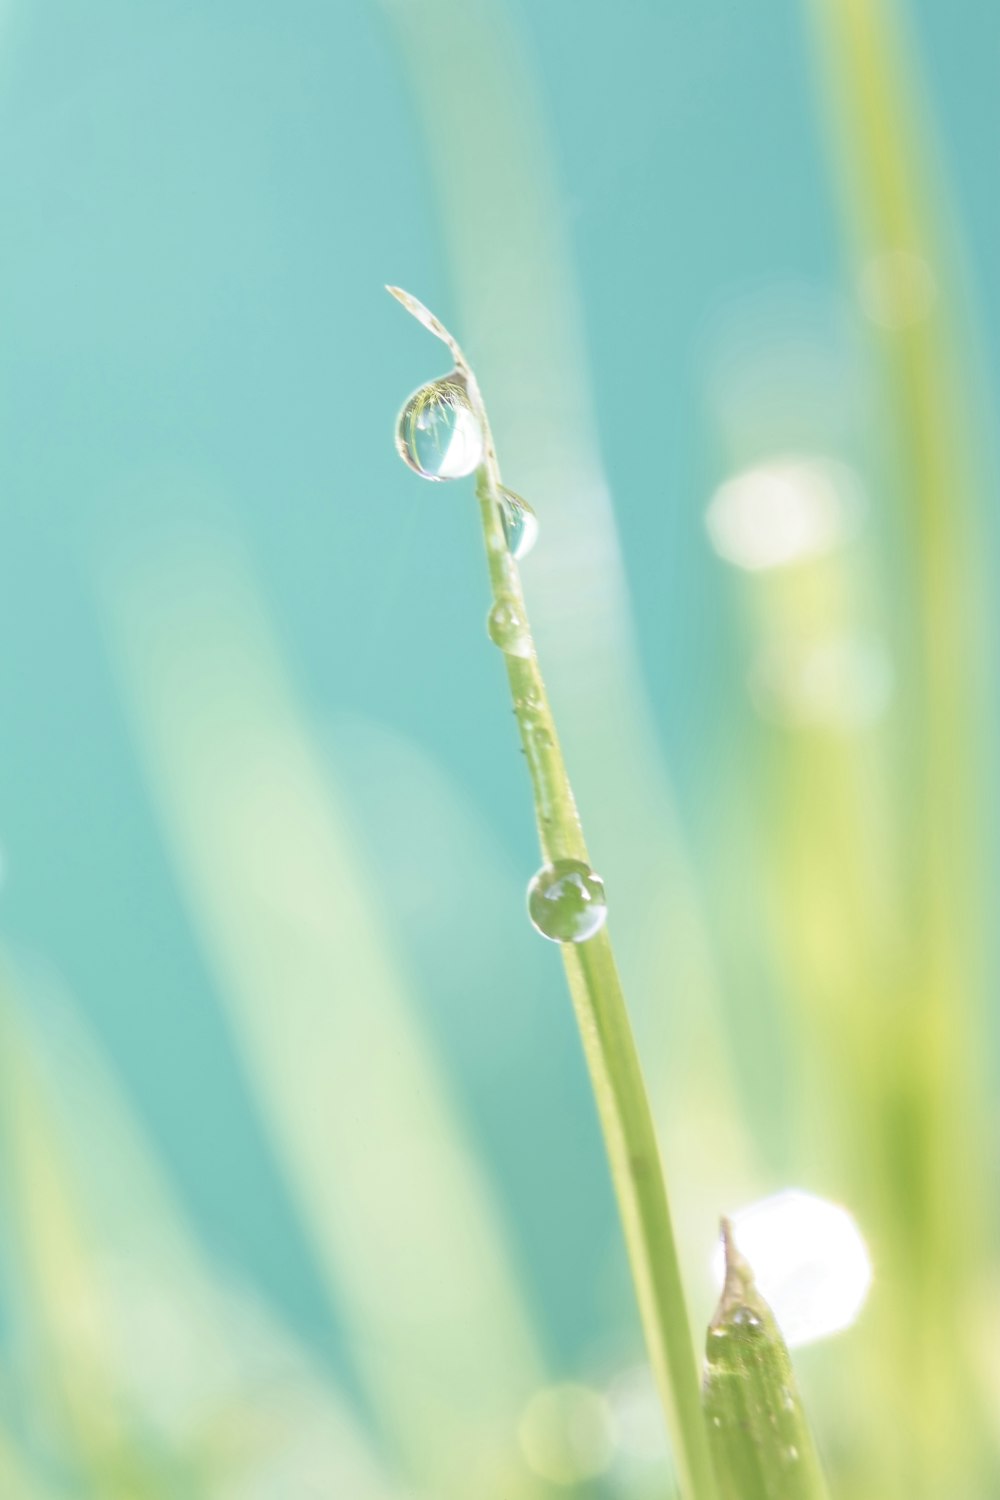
(566,901)
(539,733)
(507,627)
(438,433)
(520,524)
(529,703)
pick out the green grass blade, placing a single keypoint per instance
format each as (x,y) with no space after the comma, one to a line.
(760,1439)
(926,1125)
(59,1316)
(16,1478)
(518,302)
(604,1023)
(157,1373)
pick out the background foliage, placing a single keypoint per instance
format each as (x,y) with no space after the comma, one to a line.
(303,1192)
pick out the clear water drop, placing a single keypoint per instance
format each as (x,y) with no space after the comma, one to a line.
(438,433)
(529,703)
(507,627)
(520,524)
(566,901)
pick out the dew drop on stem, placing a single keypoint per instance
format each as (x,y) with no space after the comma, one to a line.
(507,627)
(566,901)
(520,524)
(438,433)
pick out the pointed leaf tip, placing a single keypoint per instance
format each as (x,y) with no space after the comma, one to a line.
(758,1433)
(739,1286)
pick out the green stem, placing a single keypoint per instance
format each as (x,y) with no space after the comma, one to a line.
(609,1046)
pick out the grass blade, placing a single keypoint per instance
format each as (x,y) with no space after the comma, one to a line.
(604,1024)
(761,1443)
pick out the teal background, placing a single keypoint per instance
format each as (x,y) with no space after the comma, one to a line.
(200,205)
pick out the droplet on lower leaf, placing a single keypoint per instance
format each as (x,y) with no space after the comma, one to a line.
(520,524)
(438,433)
(566,901)
(507,627)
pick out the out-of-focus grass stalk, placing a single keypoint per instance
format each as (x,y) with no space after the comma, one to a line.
(761,1443)
(399,1210)
(926,1116)
(16,1480)
(220,1393)
(602,1017)
(60,1303)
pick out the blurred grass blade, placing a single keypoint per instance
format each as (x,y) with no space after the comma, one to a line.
(928,1199)
(209,1387)
(60,1319)
(759,1437)
(360,1112)
(17,1481)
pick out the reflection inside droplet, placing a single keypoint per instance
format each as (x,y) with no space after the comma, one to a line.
(520,524)
(438,433)
(566,901)
(809,1261)
(507,627)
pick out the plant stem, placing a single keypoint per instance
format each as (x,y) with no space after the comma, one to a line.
(602,1017)
(610,1051)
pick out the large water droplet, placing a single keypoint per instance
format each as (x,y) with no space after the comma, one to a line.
(566,901)
(520,524)
(438,433)
(507,627)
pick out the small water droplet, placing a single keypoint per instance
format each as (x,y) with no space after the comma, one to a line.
(507,627)
(520,524)
(529,703)
(539,734)
(438,433)
(566,901)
